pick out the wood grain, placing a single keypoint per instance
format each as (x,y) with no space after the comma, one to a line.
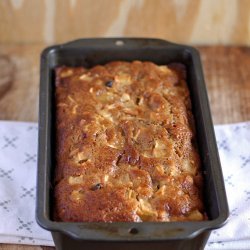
(20,102)
(227,75)
(6,74)
(184,21)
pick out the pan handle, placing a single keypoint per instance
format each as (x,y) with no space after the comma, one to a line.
(119,42)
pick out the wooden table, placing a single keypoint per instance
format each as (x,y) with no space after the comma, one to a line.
(227,74)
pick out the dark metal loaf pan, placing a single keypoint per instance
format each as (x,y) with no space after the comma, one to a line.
(123,235)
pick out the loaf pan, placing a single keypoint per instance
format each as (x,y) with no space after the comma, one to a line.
(123,235)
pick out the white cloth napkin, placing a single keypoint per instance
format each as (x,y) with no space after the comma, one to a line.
(18,155)
(234,148)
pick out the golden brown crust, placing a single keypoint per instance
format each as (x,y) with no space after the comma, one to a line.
(125,144)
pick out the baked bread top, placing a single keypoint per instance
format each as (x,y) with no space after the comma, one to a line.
(125,144)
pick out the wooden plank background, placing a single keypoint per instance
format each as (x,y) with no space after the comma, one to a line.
(184,21)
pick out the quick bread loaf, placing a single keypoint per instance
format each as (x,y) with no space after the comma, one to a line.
(125,145)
